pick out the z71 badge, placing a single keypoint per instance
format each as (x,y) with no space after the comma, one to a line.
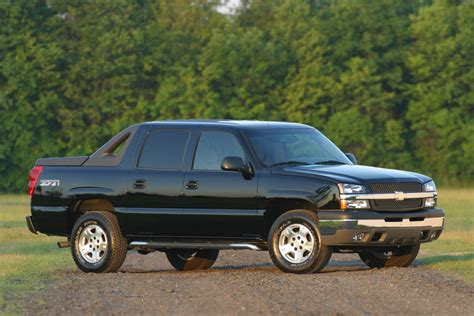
(49,183)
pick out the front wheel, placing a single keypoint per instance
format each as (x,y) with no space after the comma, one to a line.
(295,243)
(396,257)
(192,259)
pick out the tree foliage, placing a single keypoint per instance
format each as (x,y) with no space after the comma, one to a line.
(391,81)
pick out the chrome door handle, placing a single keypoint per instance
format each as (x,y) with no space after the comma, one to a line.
(139,184)
(192,185)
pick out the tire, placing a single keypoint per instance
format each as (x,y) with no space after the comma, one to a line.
(295,243)
(97,243)
(399,257)
(192,259)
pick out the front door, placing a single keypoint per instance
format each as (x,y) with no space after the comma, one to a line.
(219,203)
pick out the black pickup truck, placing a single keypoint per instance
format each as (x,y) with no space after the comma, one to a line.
(192,188)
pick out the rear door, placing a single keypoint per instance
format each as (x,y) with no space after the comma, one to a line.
(219,203)
(154,188)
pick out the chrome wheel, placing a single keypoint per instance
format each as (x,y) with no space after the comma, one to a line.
(93,243)
(296,243)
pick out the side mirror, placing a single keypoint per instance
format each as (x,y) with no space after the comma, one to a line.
(352,158)
(233,163)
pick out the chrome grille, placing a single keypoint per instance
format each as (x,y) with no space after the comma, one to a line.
(394,205)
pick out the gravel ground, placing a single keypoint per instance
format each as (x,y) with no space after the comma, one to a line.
(246,282)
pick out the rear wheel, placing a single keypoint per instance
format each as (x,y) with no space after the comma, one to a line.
(395,257)
(295,243)
(97,243)
(192,259)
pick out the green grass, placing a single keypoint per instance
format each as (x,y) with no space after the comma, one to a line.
(454,251)
(27,259)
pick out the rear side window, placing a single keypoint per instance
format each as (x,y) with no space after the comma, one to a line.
(164,149)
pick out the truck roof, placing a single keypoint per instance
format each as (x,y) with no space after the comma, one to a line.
(240,124)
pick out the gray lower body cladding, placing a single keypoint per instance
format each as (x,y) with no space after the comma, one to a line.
(370,228)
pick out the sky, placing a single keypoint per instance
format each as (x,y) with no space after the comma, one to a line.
(229,6)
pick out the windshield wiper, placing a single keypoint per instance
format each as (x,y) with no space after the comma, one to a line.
(330,162)
(292,162)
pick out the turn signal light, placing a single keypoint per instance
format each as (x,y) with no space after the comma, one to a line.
(354,204)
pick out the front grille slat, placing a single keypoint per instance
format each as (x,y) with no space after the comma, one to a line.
(394,205)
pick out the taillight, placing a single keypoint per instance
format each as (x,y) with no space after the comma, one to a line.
(33,178)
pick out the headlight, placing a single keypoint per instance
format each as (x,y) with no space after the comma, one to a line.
(345,188)
(429,187)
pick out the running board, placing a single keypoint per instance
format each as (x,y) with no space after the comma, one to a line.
(190,245)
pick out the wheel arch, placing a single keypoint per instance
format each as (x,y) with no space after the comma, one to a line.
(89,204)
(275,207)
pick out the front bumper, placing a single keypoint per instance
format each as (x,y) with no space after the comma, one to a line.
(370,228)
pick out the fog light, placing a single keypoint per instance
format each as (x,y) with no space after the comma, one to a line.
(354,204)
(433,235)
(358,236)
(430,202)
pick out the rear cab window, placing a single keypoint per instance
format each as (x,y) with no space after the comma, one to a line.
(164,149)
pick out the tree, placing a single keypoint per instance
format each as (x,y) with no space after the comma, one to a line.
(441,111)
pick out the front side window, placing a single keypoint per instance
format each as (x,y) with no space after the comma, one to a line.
(213,147)
(302,145)
(164,149)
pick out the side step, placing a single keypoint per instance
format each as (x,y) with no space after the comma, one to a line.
(190,245)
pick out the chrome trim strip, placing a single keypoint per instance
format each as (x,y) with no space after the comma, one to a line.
(192,245)
(431,222)
(244,246)
(339,220)
(389,196)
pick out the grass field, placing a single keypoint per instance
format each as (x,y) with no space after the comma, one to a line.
(454,251)
(27,259)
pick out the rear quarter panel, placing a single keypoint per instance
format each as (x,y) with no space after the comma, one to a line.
(52,206)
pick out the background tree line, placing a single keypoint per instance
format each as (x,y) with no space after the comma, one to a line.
(391,81)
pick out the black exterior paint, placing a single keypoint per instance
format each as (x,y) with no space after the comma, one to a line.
(226,205)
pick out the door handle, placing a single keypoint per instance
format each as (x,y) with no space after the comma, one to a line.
(139,184)
(192,185)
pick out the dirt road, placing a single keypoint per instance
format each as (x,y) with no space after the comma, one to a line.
(246,282)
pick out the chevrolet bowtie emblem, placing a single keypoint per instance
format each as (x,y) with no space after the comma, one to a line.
(399,196)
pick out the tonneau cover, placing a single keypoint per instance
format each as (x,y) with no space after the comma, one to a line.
(62,161)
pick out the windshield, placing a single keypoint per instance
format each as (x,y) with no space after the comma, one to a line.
(294,146)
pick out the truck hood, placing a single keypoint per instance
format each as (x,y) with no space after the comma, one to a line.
(356,174)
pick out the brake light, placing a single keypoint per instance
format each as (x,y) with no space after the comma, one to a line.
(33,178)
